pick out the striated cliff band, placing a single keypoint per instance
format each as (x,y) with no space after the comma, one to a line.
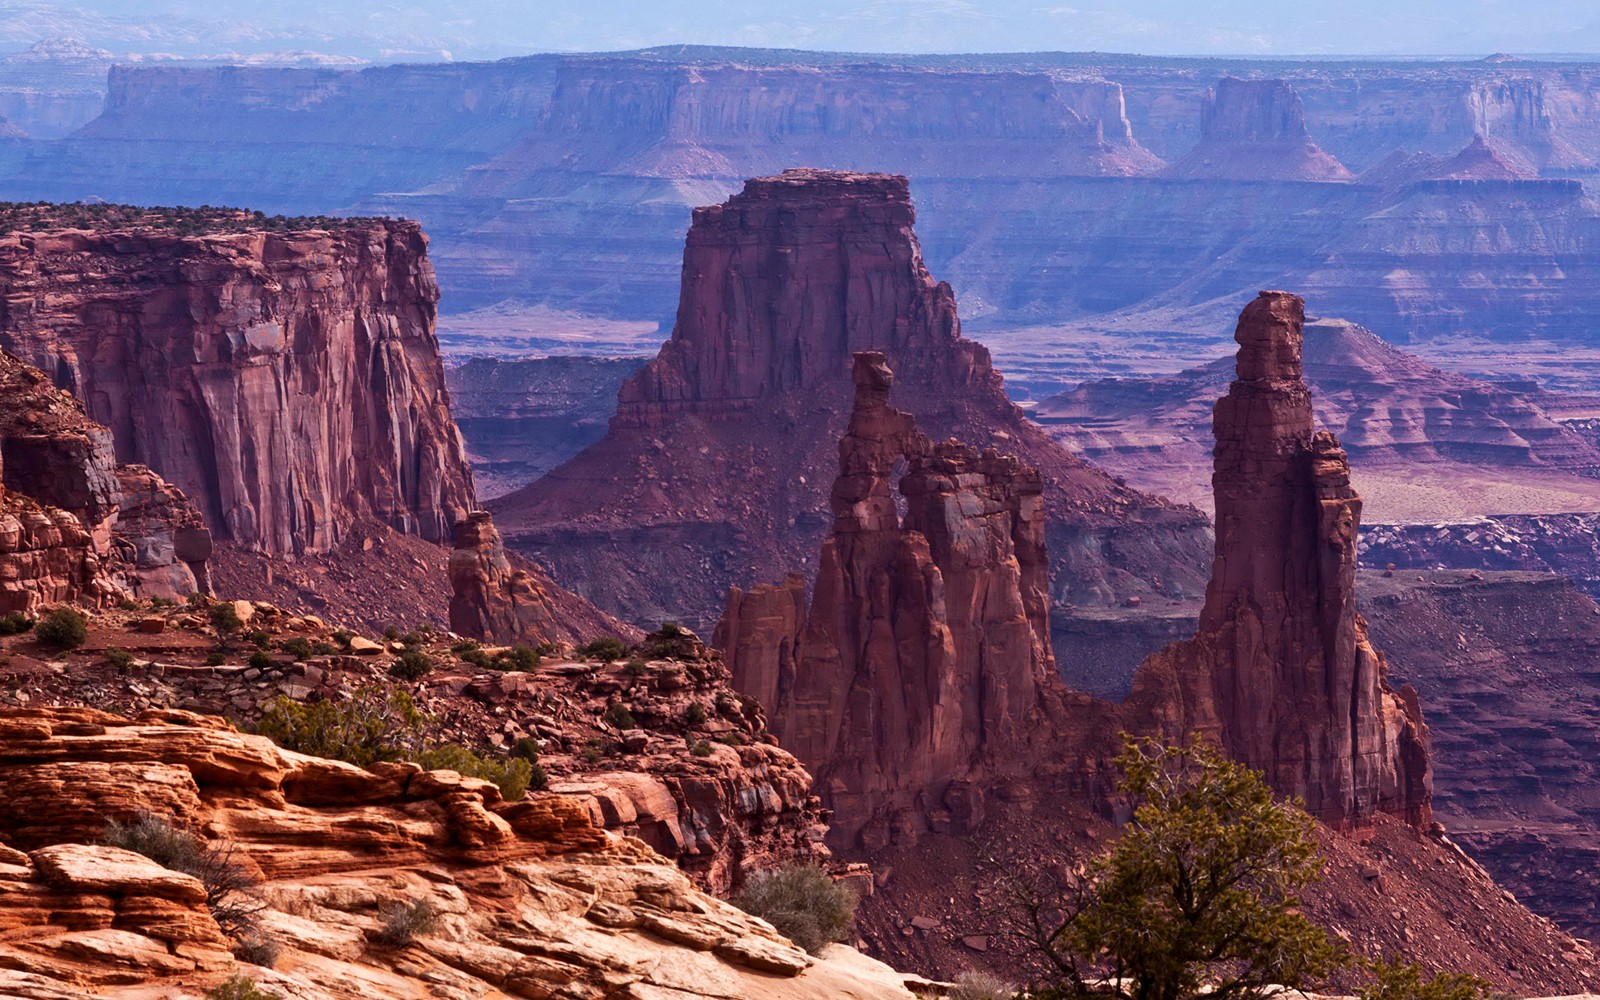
(716,464)
(1056,188)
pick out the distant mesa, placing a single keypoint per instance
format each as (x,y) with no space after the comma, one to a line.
(1483,161)
(1256,130)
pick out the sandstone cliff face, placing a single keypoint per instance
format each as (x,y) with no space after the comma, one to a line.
(1256,130)
(533,899)
(1281,671)
(715,467)
(286,381)
(80,527)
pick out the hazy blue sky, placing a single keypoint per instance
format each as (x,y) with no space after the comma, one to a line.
(479,28)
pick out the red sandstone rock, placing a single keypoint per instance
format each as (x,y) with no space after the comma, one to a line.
(286,381)
(927,647)
(715,468)
(1281,671)
(493,599)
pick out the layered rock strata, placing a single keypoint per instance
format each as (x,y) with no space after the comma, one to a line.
(531,899)
(287,379)
(781,285)
(1256,130)
(1281,672)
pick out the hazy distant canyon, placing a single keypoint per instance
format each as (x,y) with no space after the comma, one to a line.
(1422,200)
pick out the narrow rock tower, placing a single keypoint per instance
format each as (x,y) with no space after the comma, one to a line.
(1281,671)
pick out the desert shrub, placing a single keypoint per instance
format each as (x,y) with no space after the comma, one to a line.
(413,664)
(391,633)
(225,618)
(403,923)
(513,776)
(802,902)
(298,647)
(322,648)
(466,646)
(981,986)
(523,657)
(1392,980)
(695,714)
(261,659)
(1202,885)
(342,637)
(119,657)
(528,749)
(373,726)
(480,659)
(636,667)
(411,639)
(259,638)
(606,648)
(15,623)
(63,628)
(163,602)
(216,658)
(670,630)
(619,716)
(700,748)
(258,949)
(228,883)
(239,987)
(377,725)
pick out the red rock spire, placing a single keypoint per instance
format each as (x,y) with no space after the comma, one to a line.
(1281,671)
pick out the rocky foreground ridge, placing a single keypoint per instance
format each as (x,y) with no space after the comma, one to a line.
(716,467)
(531,899)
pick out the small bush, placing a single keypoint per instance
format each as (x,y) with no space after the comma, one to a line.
(391,633)
(512,776)
(119,658)
(373,726)
(412,665)
(701,748)
(670,630)
(695,714)
(239,987)
(636,668)
(163,602)
(259,638)
(523,657)
(228,883)
(225,619)
(466,646)
(480,659)
(342,637)
(258,949)
(261,659)
(1393,981)
(618,716)
(802,902)
(15,623)
(981,986)
(298,647)
(403,923)
(528,749)
(62,628)
(606,648)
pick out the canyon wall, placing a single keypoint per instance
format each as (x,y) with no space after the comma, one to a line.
(287,380)
(1009,154)
(1280,671)
(716,466)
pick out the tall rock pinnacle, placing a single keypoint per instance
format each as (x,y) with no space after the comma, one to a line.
(1281,671)
(927,648)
